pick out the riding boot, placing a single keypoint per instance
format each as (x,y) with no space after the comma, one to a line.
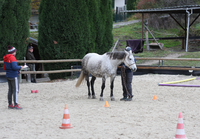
(123,99)
(129,99)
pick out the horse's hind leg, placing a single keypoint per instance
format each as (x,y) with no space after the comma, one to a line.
(111,88)
(92,86)
(88,84)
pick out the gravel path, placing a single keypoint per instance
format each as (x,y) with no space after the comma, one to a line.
(119,24)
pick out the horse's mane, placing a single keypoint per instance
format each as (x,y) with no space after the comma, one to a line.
(116,55)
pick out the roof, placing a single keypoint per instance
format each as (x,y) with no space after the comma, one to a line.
(175,9)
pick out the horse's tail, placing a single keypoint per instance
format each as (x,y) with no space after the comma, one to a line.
(80,79)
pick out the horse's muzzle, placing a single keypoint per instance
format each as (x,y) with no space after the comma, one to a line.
(133,68)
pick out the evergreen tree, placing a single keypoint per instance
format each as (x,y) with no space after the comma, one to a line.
(96,33)
(1,34)
(1,4)
(66,23)
(14,16)
(106,25)
(100,29)
(131,5)
(113,4)
(108,37)
(78,27)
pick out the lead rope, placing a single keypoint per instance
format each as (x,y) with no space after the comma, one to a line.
(124,80)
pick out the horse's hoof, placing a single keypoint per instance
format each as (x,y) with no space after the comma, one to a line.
(101,99)
(93,97)
(89,97)
(112,99)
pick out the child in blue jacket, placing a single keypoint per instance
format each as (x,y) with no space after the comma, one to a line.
(12,74)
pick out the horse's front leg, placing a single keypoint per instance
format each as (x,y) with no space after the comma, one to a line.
(111,88)
(102,88)
(92,86)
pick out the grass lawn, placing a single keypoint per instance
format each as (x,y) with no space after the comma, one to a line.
(34,35)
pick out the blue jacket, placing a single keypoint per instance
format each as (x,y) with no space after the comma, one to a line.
(127,69)
(11,66)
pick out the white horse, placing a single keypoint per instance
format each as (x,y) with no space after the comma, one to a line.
(104,66)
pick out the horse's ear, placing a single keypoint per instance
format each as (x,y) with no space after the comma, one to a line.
(126,52)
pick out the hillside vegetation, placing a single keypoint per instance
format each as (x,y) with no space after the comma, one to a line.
(170,46)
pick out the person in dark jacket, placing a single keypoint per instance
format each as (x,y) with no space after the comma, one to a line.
(30,56)
(12,74)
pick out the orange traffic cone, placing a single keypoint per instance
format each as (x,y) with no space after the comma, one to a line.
(180,132)
(106,104)
(66,121)
(155,97)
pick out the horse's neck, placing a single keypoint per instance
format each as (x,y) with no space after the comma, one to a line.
(115,58)
(117,62)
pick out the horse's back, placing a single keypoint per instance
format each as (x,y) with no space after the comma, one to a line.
(87,57)
(92,63)
(92,57)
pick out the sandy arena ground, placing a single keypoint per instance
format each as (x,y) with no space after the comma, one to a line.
(142,118)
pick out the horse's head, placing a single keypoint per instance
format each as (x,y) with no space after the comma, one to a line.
(129,59)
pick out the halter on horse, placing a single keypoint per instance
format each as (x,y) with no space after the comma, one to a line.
(104,66)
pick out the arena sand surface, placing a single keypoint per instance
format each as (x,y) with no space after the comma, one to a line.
(142,118)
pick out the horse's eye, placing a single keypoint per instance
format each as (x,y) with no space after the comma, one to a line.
(130,58)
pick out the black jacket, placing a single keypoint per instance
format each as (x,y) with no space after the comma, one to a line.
(30,56)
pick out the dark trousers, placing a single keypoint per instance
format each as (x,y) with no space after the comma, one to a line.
(32,68)
(128,82)
(13,90)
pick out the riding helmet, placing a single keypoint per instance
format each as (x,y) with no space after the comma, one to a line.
(128,48)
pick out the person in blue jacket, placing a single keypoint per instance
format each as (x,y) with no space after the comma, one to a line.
(127,81)
(12,74)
